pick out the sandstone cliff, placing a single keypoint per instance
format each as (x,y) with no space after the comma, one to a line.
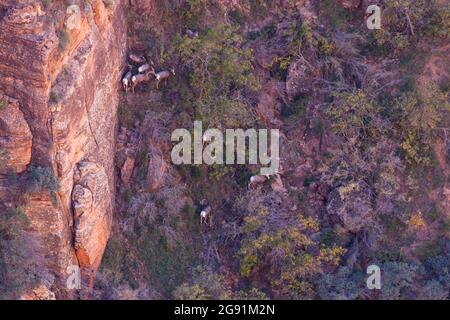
(59,93)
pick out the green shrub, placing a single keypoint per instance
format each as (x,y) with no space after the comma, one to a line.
(433,214)
(13,221)
(205,284)
(42,179)
(54,97)
(64,38)
(4,156)
(291,275)
(342,285)
(445,227)
(47,3)
(194,15)
(3,104)
(17,271)
(190,292)
(399,279)
(219,70)
(429,249)
(433,290)
(397,35)
(355,116)
(109,3)
(237,17)
(188,210)
(420,114)
(252,294)
(296,108)
(333,13)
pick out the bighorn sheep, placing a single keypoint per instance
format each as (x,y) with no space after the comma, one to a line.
(260,179)
(144,68)
(139,78)
(126,80)
(205,214)
(162,75)
(137,58)
(191,34)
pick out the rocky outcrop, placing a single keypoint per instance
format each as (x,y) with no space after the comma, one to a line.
(39,293)
(91,201)
(351,4)
(157,167)
(61,92)
(352,205)
(15,137)
(270,103)
(126,172)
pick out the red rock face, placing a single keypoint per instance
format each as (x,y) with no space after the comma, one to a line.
(60,112)
(15,137)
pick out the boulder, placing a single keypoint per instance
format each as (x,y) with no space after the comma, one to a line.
(91,203)
(270,103)
(351,204)
(41,292)
(127,170)
(351,4)
(157,167)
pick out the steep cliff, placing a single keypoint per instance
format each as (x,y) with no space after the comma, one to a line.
(59,97)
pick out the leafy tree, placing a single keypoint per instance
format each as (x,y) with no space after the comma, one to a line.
(420,114)
(438,268)
(287,259)
(356,116)
(342,285)
(4,156)
(399,280)
(42,179)
(219,70)
(17,271)
(434,290)
(190,292)
(406,21)
(206,284)
(3,104)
